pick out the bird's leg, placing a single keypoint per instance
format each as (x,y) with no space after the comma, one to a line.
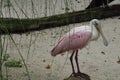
(76,59)
(71,60)
(79,72)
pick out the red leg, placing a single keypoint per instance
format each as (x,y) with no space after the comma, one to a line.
(79,73)
(71,60)
(76,59)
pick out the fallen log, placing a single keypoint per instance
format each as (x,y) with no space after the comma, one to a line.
(81,77)
(16,25)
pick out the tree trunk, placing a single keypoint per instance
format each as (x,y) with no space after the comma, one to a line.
(98,3)
(15,25)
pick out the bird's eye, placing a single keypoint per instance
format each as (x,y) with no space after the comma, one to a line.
(95,23)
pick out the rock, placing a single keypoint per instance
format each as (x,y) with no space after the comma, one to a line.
(82,77)
(48,66)
(103,52)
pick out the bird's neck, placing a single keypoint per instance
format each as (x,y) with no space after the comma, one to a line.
(95,33)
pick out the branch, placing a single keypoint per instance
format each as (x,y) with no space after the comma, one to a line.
(98,3)
(15,25)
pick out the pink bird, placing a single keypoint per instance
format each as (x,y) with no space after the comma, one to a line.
(78,38)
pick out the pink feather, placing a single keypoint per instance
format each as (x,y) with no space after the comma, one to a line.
(72,41)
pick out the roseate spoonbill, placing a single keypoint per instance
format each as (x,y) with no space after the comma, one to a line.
(78,38)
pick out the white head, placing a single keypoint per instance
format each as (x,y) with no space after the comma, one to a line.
(97,24)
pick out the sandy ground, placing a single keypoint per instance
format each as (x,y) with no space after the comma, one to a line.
(96,60)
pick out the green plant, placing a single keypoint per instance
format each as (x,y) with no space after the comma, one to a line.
(13,63)
(3,54)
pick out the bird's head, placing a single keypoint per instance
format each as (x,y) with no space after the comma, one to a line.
(98,26)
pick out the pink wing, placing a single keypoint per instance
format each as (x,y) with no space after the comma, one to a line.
(71,41)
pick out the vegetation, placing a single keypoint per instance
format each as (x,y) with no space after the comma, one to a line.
(13,63)
(3,56)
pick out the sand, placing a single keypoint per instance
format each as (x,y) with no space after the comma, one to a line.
(96,60)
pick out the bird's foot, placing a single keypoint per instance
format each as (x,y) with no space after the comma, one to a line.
(79,74)
(76,74)
(83,75)
(73,74)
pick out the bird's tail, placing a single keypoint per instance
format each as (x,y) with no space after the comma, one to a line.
(53,52)
(57,49)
